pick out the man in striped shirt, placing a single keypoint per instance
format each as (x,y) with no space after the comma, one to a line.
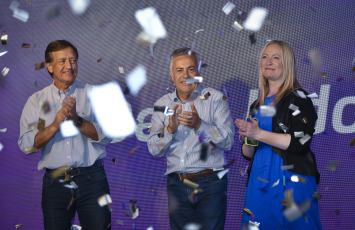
(193,139)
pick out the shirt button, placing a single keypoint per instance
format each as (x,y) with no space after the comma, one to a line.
(68,142)
(68,156)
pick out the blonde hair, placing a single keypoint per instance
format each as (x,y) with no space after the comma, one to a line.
(289,74)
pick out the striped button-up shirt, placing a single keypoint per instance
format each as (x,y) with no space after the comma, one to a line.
(77,151)
(182,149)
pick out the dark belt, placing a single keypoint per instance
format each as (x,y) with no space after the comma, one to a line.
(79,170)
(189,176)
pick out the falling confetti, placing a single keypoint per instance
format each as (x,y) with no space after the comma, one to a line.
(4,38)
(39,65)
(332,166)
(25,45)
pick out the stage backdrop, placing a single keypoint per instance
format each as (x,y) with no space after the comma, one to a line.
(105,35)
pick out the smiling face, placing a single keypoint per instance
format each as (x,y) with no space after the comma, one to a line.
(183,67)
(64,66)
(271,63)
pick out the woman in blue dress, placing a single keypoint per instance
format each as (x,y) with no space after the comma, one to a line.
(281,192)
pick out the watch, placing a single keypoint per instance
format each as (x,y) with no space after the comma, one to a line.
(79,121)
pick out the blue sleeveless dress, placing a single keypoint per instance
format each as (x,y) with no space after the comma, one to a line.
(266,187)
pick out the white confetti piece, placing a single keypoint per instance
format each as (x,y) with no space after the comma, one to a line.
(267,111)
(295,211)
(299,134)
(21,14)
(227,8)
(276,183)
(301,94)
(5,71)
(136,79)
(79,7)
(312,95)
(255,19)
(121,69)
(194,80)
(3,130)
(286,167)
(104,200)
(3,52)
(293,107)
(1,147)
(150,21)
(111,110)
(295,113)
(72,185)
(68,129)
(237,26)
(222,173)
(304,139)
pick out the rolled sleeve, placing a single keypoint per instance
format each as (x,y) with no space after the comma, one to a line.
(27,135)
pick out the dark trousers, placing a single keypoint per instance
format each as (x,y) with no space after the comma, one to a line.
(92,183)
(207,209)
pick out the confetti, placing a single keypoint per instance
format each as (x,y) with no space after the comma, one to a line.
(224,98)
(222,173)
(295,113)
(304,120)
(295,178)
(304,139)
(193,80)
(4,38)
(3,130)
(267,111)
(191,184)
(293,107)
(59,172)
(45,106)
(252,38)
(352,142)
(41,124)
(317,195)
(3,52)
(206,96)
(70,203)
(136,79)
(75,227)
(30,150)
(301,94)
(150,21)
(247,211)
(203,153)
(153,190)
(121,69)
(14,5)
(150,228)
(216,133)
(227,8)
(202,136)
(276,183)
(220,32)
(299,134)
(255,19)
(312,95)
(332,166)
(192,226)
(79,7)
(99,60)
(200,30)
(316,59)
(134,211)
(68,129)
(5,71)
(21,14)
(229,164)
(337,212)
(105,200)
(72,185)
(111,110)
(109,225)
(114,160)
(39,65)
(134,149)
(243,171)
(253,223)
(262,179)
(295,211)
(286,167)
(283,127)
(18,226)
(25,45)
(237,26)
(120,222)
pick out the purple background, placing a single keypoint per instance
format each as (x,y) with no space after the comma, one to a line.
(326,25)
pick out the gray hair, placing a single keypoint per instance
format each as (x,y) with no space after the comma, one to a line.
(181,52)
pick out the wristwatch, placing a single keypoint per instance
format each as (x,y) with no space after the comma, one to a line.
(79,121)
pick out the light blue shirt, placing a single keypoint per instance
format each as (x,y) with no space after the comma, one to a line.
(77,151)
(182,149)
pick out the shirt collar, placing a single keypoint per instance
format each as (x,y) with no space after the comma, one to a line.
(193,95)
(69,91)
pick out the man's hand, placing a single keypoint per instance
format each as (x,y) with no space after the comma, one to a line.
(190,119)
(69,108)
(59,118)
(173,120)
